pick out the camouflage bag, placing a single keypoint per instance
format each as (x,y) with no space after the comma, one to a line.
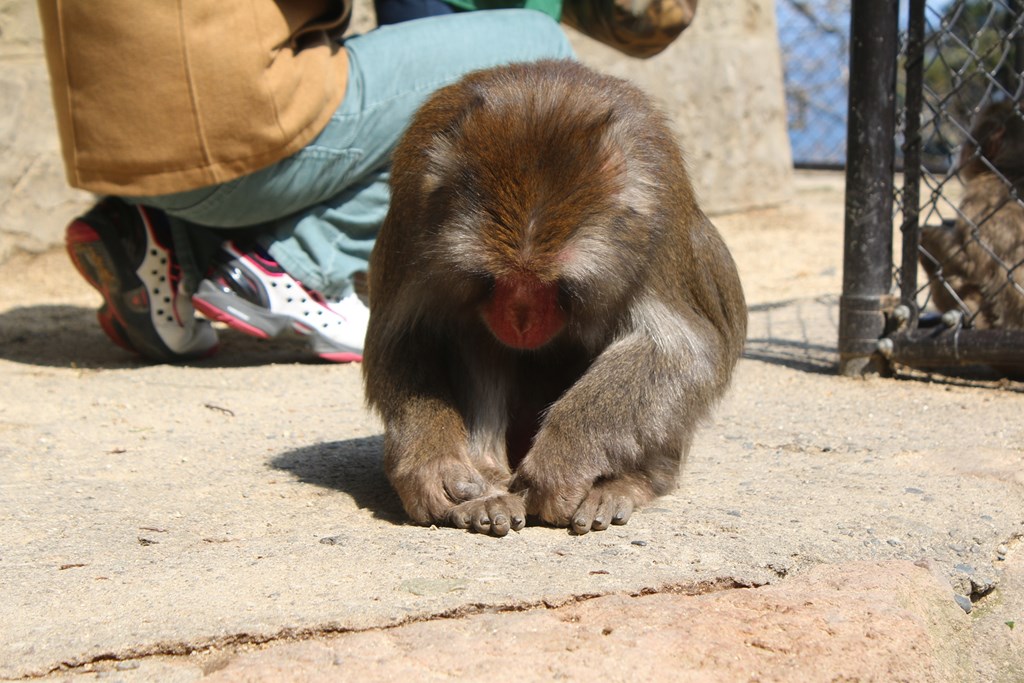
(638,28)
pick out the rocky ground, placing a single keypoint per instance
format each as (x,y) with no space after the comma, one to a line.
(229,519)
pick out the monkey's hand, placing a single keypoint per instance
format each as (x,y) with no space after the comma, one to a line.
(610,501)
(431,489)
(494,514)
(614,440)
(576,505)
(549,494)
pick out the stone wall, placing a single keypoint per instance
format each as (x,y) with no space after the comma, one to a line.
(35,201)
(720,83)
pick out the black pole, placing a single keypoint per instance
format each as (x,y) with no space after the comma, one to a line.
(870,150)
(958,346)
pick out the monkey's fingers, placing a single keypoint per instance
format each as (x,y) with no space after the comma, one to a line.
(623,511)
(494,515)
(600,508)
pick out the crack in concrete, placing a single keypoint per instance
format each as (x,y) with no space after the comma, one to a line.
(288,635)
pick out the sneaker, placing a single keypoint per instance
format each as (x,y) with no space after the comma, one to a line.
(124,252)
(250,291)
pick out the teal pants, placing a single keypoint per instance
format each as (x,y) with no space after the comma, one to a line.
(318,212)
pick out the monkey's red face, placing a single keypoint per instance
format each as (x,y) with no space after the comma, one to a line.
(534,228)
(523,312)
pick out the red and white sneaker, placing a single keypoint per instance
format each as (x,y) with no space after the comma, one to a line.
(124,251)
(251,292)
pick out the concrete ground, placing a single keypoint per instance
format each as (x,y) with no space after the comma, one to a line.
(230,519)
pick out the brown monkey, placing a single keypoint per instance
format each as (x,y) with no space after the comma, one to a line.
(980,256)
(552,314)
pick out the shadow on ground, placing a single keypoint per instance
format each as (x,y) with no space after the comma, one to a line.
(814,358)
(785,333)
(795,333)
(803,335)
(352,466)
(69,336)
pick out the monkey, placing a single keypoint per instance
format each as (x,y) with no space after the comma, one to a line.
(978,259)
(552,314)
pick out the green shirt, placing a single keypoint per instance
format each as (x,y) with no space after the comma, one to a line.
(552,8)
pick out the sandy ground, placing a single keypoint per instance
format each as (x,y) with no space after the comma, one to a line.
(229,519)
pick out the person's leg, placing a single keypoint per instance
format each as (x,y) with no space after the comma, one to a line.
(327,243)
(319,210)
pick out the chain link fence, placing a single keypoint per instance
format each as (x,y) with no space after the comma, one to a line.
(957,70)
(814,36)
(965,210)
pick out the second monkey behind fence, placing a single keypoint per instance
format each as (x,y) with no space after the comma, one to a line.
(552,315)
(975,263)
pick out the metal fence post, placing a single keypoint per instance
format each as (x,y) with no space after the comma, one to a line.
(871,130)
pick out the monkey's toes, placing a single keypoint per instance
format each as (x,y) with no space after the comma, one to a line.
(599,510)
(494,515)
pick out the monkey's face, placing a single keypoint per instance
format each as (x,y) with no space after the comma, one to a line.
(996,142)
(532,221)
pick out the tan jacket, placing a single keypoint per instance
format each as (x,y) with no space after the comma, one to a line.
(160,96)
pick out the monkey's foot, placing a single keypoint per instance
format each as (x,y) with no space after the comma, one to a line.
(493,515)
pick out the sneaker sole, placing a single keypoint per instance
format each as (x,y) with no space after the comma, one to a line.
(113,328)
(257,321)
(94,258)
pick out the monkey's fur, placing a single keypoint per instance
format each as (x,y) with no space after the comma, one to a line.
(975,254)
(551,313)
